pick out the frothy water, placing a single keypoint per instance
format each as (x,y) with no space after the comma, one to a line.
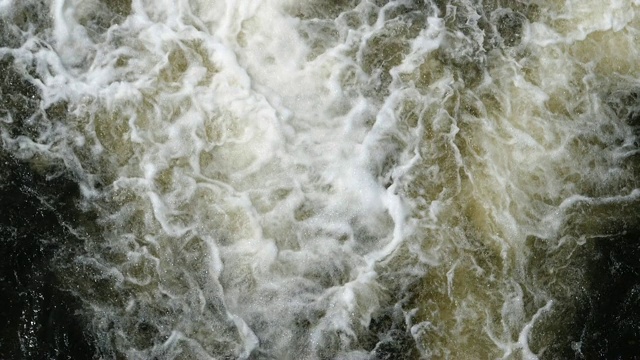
(331,179)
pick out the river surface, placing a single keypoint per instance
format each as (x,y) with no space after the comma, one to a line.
(320,179)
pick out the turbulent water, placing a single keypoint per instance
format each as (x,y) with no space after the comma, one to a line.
(321,179)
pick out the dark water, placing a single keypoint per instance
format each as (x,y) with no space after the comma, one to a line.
(40,317)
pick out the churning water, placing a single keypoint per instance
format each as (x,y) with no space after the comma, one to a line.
(322,179)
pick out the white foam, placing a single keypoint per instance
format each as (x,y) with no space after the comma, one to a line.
(223,124)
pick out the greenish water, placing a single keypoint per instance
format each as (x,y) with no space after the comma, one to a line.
(320,180)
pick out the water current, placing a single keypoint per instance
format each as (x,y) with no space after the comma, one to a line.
(320,179)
